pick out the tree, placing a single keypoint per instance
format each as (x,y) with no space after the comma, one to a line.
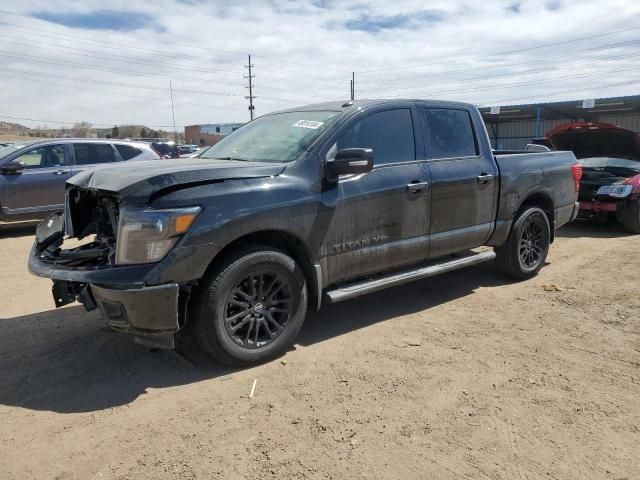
(144,133)
(81,130)
(114,132)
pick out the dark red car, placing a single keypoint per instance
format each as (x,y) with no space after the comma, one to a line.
(610,159)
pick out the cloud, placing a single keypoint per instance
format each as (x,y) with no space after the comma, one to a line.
(374,24)
(100,20)
(75,61)
(514,7)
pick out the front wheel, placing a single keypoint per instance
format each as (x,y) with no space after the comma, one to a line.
(527,246)
(251,308)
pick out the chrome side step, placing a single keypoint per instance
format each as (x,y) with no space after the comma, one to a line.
(348,291)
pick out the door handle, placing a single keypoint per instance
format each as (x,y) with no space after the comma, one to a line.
(485,178)
(417,186)
(61,172)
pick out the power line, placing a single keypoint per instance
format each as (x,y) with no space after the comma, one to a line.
(503,75)
(481,57)
(30,78)
(305,75)
(306,65)
(524,84)
(228,52)
(503,101)
(102,43)
(92,123)
(95,54)
(490,67)
(144,74)
(114,70)
(119,84)
(232,52)
(120,94)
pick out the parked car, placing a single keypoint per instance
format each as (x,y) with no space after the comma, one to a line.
(184,150)
(610,159)
(33,174)
(166,149)
(316,204)
(199,152)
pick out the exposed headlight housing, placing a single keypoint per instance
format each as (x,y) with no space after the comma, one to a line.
(146,236)
(615,191)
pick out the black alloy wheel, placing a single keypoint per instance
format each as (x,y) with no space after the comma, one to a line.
(531,244)
(250,307)
(526,248)
(258,309)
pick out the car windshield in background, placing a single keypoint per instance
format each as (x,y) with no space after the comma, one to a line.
(9,149)
(281,137)
(610,163)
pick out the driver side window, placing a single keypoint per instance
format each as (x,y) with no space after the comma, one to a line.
(389,133)
(50,156)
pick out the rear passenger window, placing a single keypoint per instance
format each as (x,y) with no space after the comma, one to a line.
(91,153)
(388,133)
(450,133)
(127,152)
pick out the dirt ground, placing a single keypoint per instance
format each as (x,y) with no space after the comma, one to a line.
(461,376)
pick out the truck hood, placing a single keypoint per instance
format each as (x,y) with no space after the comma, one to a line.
(141,179)
(595,139)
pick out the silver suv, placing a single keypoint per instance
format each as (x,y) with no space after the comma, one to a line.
(33,174)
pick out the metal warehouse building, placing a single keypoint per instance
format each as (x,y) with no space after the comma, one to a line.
(512,127)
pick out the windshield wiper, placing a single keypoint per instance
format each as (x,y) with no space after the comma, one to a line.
(232,158)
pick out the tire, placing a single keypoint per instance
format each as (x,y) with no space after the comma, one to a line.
(527,246)
(251,307)
(631,221)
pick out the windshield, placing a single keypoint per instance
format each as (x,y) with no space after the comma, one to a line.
(281,137)
(9,149)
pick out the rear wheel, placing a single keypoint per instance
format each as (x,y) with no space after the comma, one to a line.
(251,308)
(527,246)
(632,218)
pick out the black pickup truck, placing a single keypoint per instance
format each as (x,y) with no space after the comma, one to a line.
(321,203)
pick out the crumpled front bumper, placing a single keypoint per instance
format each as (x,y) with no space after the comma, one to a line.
(151,312)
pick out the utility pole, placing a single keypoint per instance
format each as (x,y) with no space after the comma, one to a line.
(250,87)
(173,114)
(353,85)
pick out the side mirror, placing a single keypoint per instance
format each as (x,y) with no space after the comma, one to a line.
(12,167)
(350,161)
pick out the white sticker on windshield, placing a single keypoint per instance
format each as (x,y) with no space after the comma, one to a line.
(308,124)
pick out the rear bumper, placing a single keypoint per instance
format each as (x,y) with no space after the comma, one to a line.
(566,214)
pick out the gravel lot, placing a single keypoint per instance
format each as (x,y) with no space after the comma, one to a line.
(461,376)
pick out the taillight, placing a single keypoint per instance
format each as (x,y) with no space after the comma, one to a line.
(576,170)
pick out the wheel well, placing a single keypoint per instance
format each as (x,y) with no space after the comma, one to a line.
(286,243)
(543,202)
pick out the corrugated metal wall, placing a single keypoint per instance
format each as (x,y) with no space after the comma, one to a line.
(515,135)
(628,121)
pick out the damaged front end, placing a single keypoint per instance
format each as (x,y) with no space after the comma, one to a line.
(86,213)
(79,250)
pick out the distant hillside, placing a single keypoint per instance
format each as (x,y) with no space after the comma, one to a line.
(6,127)
(16,132)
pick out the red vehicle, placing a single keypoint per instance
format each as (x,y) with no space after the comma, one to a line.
(610,159)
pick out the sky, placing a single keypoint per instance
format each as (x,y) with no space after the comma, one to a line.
(119,62)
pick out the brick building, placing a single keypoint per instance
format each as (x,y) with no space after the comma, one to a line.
(208,134)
